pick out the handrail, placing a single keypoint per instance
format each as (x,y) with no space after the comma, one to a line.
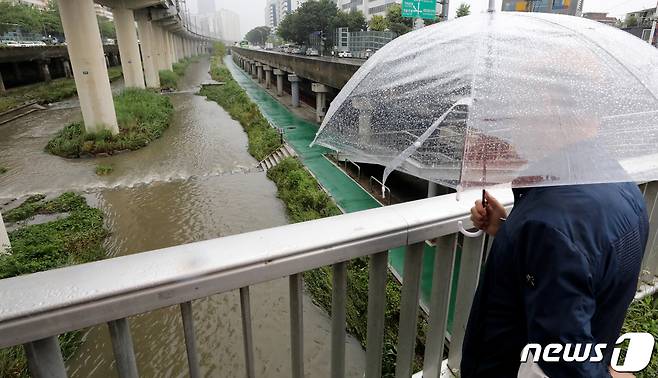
(89,294)
(354,164)
(373,178)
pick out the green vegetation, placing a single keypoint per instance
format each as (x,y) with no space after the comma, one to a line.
(104,169)
(463,10)
(258,35)
(142,115)
(180,67)
(45,93)
(304,198)
(75,239)
(263,139)
(642,316)
(168,79)
(314,16)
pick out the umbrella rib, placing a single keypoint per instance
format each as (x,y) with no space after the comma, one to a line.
(593,42)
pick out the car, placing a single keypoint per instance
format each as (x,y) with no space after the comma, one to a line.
(296,50)
(368,53)
(312,52)
(344,54)
(13,44)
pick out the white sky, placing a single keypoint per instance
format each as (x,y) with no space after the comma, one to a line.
(252,12)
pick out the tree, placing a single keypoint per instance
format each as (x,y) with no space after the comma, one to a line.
(258,35)
(630,21)
(463,10)
(19,16)
(52,23)
(378,23)
(106,27)
(310,17)
(356,21)
(396,23)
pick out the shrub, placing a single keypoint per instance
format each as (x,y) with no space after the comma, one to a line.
(104,169)
(180,67)
(168,79)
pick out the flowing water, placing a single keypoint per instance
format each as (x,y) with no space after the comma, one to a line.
(196,182)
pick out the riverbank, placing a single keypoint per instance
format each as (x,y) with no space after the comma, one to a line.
(46,93)
(142,115)
(318,282)
(49,234)
(263,139)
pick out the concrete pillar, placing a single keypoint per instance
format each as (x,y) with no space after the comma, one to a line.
(86,53)
(279,82)
(365,109)
(107,61)
(169,60)
(320,100)
(45,71)
(18,74)
(2,86)
(432,189)
(158,54)
(259,72)
(67,69)
(131,64)
(171,48)
(294,84)
(254,70)
(114,59)
(268,76)
(4,238)
(148,45)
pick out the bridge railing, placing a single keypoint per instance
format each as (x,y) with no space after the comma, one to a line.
(38,307)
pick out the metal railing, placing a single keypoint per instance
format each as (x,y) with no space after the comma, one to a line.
(34,313)
(358,167)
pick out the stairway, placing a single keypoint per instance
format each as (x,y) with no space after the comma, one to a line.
(275,157)
(19,111)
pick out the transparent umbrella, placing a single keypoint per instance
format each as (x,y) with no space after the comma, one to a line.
(529,99)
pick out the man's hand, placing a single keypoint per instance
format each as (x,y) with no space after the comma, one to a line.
(490,218)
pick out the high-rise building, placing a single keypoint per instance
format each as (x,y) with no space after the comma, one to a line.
(206,7)
(226,25)
(571,7)
(103,12)
(36,3)
(272,13)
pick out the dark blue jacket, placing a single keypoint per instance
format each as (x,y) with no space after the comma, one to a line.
(563,268)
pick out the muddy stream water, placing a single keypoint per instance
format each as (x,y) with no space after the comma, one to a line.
(197,182)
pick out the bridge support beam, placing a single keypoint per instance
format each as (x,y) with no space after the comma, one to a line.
(253,70)
(279,82)
(170,49)
(147,42)
(86,52)
(259,72)
(131,63)
(45,71)
(321,91)
(4,238)
(2,90)
(166,49)
(294,86)
(268,76)
(67,68)
(159,50)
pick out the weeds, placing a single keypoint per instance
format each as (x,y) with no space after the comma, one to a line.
(142,116)
(104,169)
(168,79)
(74,239)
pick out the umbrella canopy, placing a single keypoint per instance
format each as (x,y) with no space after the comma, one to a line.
(528,98)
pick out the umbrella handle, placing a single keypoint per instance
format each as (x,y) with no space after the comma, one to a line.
(466,233)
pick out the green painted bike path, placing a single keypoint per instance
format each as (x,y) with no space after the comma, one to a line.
(351,197)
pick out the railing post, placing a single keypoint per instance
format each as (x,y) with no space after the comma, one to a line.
(338,333)
(296,325)
(122,345)
(44,358)
(378,270)
(469,275)
(444,261)
(650,260)
(245,305)
(190,339)
(413,260)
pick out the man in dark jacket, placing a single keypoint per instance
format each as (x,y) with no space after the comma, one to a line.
(563,268)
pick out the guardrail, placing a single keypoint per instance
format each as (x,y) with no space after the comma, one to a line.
(34,313)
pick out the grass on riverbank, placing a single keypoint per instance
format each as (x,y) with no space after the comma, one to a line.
(642,316)
(74,239)
(263,139)
(142,115)
(168,80)
(305,201)
(104,169)
(180,67)
(45,93)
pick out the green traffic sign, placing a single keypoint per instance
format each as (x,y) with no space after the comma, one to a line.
(419,8)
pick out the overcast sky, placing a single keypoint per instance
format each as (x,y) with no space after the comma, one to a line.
(252,12)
